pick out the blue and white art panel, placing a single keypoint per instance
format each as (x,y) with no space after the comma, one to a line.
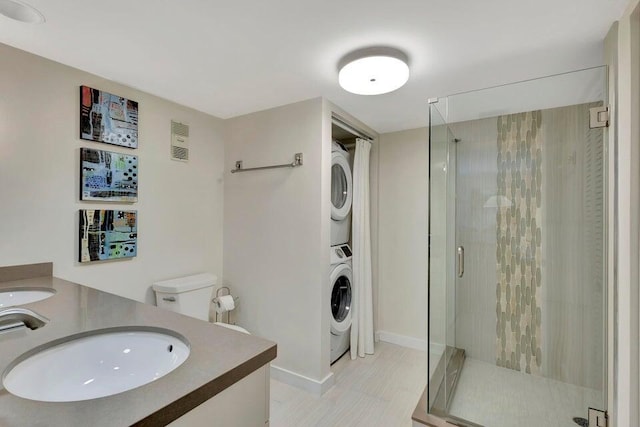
(107,234)
(108,118)
(108,177)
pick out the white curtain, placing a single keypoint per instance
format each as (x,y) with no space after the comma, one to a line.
(362,303)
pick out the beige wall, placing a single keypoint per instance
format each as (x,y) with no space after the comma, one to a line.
(623,56)
(275,258)
(402,241)
(179,207)
(279,220)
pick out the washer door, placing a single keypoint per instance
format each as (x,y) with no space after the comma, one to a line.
(341,186)
(341,294)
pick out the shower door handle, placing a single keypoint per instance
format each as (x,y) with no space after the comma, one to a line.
(460,261)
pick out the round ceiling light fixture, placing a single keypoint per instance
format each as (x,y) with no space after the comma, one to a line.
(21,12)
(373,71)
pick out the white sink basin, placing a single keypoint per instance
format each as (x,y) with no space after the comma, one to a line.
(95,364)
(19,296)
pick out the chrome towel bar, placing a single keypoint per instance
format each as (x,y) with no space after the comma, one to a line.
(297,161)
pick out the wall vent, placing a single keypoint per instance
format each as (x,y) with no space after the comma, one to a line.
(179,141)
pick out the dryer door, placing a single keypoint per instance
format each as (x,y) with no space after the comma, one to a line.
(341,279)
(341,186)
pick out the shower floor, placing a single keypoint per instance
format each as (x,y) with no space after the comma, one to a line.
(489,395)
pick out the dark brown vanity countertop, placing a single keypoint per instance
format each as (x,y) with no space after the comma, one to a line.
(219,358)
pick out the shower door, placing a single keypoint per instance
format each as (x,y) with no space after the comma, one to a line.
(524,289)
(442,239)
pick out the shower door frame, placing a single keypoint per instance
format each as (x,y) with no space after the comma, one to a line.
(609,254)
(446,373)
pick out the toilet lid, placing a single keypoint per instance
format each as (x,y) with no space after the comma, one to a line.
(186,284)
(234,327)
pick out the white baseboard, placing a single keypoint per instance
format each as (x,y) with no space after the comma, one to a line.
(402,340)
(300,381)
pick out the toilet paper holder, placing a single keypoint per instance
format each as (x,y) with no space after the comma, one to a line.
(217,302)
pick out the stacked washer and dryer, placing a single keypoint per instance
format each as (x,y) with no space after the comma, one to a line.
(341,275)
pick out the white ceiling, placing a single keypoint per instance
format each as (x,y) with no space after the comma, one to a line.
(232,57)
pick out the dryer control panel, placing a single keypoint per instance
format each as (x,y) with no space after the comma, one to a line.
(340,253)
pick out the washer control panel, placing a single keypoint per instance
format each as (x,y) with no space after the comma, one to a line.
(340,254)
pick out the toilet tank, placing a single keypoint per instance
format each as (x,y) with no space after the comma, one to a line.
(189,295)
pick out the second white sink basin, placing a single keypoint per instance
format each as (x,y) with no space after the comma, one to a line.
(95,364)
(19,296)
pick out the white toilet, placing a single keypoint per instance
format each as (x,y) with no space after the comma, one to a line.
(191,296)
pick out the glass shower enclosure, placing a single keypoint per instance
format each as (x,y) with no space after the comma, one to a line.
(517,250)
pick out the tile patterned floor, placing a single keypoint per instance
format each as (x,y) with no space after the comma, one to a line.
(492,396)
(379,390)
(382,391)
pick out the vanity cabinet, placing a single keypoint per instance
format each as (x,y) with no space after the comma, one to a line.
(244,404)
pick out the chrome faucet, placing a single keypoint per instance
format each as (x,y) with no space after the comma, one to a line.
(15,317)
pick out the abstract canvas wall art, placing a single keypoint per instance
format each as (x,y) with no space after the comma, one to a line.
(107,234)
(108,176)
(108,118)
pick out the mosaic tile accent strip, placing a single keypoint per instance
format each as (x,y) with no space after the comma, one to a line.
(518,242)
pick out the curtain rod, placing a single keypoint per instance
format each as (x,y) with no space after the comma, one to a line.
(342,123)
